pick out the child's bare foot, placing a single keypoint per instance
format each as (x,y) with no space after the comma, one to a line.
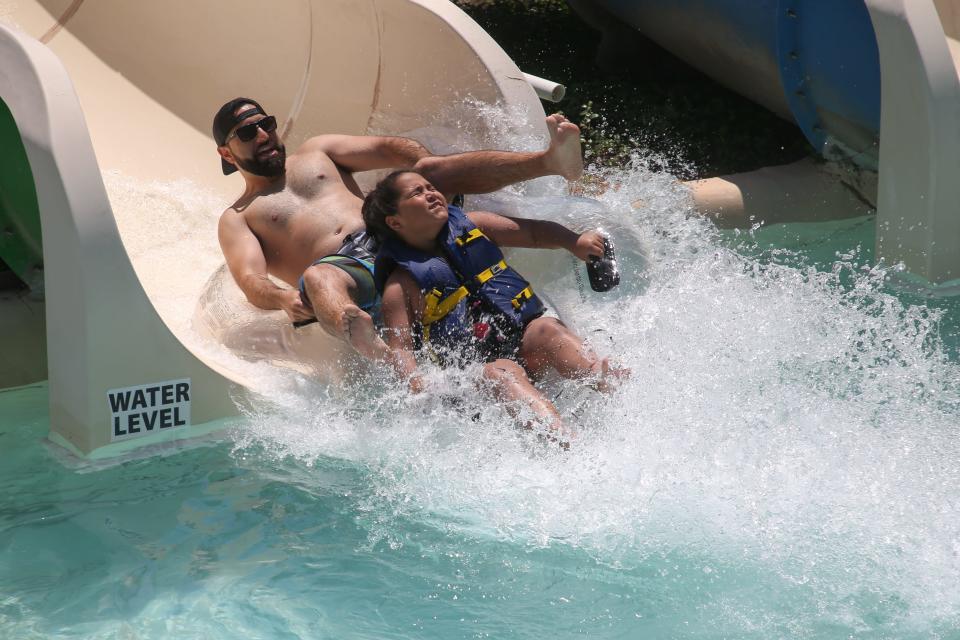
(564,156)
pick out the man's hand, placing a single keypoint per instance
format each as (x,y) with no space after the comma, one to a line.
(294,307)
(589,243)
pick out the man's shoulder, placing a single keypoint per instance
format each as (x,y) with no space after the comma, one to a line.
(240,209)
(336,146)
(323,143)
(231,217)
(312,152)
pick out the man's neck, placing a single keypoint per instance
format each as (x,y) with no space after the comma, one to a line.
(260,184)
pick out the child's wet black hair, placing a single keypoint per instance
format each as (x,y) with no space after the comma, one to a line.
(382,202)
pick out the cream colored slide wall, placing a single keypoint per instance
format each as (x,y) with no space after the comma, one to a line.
(96,341)
(917,214)
(123,93)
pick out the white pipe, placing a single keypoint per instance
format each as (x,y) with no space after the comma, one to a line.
(546,89)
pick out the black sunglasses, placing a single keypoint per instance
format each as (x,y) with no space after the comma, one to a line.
(248,132)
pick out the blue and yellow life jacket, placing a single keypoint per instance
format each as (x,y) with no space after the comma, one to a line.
(471,276)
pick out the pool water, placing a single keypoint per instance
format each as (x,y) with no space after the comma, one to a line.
(782,463)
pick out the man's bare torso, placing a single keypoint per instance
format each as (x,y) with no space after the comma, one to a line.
(305,215)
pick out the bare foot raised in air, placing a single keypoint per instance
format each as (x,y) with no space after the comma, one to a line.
(359,331)
(564,156)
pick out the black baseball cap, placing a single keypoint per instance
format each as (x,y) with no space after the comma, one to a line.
(225,120)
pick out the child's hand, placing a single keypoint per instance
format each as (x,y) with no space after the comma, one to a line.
(589,243)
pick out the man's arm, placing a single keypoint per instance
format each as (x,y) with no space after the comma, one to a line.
(537,234)
(401,299)
(468,172)
(363,153)
(247,264)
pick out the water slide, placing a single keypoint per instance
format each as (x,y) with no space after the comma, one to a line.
(112,286)
(873,85)
(110,185)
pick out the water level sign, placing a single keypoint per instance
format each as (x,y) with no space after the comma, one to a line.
(148,408)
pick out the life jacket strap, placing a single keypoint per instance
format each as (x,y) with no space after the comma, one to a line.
(521,298)
(469,237)
(490,272)
(436,308)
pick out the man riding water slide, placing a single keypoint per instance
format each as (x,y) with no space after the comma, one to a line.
(299,215)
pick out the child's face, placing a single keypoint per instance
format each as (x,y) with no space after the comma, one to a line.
(421,209)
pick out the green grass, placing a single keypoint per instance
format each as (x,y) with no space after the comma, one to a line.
(685,122)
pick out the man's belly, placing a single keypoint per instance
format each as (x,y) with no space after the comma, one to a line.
(288,263)
(331,242)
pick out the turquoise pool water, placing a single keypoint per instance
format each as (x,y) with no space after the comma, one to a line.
(783,463)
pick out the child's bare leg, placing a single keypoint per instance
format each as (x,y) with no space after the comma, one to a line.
(548,343)
(511,385)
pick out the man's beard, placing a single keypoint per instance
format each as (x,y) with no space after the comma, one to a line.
(267,167)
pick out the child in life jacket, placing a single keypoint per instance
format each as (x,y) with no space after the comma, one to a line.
(447,291)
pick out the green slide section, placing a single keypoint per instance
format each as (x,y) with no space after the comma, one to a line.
(21,248)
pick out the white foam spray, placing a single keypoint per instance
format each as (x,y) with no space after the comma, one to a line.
(776,417)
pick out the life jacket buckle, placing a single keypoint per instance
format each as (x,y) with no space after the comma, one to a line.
(521,298)
(468,237)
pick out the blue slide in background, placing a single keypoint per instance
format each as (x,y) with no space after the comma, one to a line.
(814,60)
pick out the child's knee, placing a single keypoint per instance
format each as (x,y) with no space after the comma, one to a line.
(544,331)
(502,371)
(547,339)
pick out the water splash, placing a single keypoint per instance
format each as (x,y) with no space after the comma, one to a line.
(797,421)
(791,424)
